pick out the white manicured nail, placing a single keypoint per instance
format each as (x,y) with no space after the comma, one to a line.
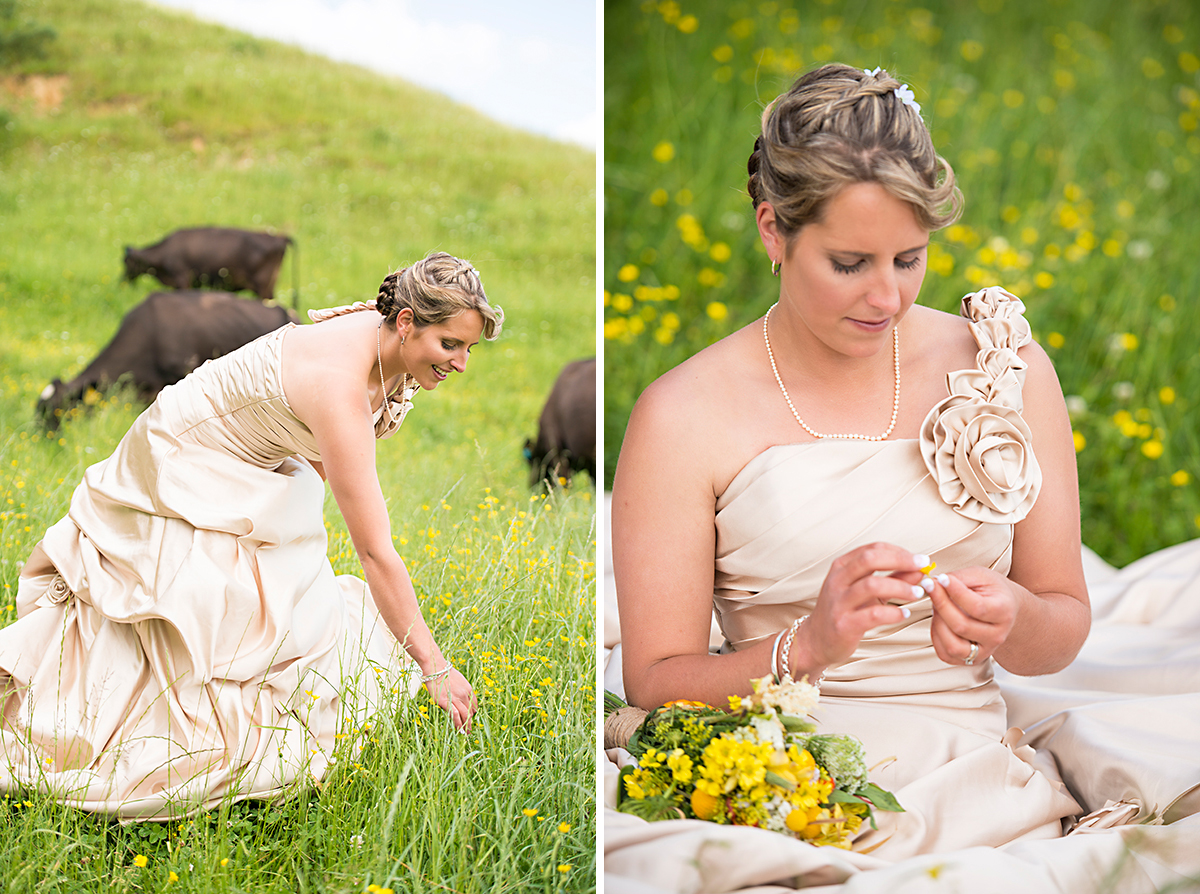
(904,611)
(944,580)
(927,584)
(917,592)
(920,560)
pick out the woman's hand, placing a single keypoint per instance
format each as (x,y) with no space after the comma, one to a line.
(972,605)
(454,694)
(854,598)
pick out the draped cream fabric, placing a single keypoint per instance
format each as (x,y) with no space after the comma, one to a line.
(181,635)
(985,811)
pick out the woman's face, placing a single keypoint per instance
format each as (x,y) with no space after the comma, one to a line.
(853,275)
(431,353)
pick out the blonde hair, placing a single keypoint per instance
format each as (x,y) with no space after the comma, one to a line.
(435,289)
(839,125)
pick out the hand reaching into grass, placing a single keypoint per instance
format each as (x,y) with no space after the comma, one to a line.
(454,694)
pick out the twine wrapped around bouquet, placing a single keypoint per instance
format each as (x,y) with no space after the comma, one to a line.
(621,724)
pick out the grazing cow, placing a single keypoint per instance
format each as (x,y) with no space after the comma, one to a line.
(566,439)
(163,339)
(213,258)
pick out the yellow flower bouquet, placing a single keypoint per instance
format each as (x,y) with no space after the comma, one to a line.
(761,763)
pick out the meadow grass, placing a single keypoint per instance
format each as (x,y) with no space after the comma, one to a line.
(142,120)
(1072,129)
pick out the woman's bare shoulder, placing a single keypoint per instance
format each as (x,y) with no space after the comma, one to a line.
(693,393)
(694,413)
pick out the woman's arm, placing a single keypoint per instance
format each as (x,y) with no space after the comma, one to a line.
(341,422)
(1054,614)
(663,542)
(1035,620)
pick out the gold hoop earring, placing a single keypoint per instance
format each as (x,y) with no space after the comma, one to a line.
(774,267)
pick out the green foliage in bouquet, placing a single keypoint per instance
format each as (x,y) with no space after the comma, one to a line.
(761,763)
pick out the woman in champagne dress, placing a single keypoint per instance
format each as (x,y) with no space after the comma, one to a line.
(822,457)
(181,636)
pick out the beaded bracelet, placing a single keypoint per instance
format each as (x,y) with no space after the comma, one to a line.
(437,674)
(787,649)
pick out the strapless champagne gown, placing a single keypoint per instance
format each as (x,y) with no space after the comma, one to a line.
(938,734)
(181,634)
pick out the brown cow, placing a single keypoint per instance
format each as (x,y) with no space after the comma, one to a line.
(161,340)
(566,439)
(213,258)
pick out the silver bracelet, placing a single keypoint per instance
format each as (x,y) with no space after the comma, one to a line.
(437,674)
(775,657)
(787,649)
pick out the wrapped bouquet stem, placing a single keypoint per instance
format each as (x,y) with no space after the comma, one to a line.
(761,763)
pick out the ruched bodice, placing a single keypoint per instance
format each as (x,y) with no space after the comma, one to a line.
(236,404)
(777,535)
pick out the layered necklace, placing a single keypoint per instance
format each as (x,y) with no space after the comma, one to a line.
(816,434)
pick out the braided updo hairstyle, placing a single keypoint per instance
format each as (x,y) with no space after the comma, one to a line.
(839,125)
(436,288)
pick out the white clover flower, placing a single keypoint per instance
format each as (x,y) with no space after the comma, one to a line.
(1076,406)
(1123,390)
(1139,249)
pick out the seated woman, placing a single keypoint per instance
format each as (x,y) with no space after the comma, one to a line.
(826,453)
(181,636)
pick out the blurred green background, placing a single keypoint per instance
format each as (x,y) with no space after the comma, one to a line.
(1072,129)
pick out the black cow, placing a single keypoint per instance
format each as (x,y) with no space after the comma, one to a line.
(163,339)
(212,257)
(566,439)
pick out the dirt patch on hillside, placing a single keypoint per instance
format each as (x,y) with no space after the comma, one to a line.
(45,92)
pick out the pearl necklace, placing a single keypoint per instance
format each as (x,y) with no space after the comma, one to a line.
(818,435)
(387,398)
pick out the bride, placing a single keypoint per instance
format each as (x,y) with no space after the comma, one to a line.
(181,636)
(869,492)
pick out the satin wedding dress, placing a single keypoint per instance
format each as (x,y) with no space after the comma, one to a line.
(941,736)
(181,635)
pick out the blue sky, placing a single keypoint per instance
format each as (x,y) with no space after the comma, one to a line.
(527,63)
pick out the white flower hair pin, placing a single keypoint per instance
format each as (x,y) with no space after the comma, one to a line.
(903,92)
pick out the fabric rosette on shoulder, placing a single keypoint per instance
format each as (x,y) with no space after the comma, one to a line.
(975,443)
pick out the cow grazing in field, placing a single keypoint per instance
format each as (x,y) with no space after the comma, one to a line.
(213,258)
(566,439)
(161,340)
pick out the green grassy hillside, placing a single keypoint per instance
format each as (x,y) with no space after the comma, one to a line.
(141,120)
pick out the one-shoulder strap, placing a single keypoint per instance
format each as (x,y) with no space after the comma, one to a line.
(974,442)
(328,313)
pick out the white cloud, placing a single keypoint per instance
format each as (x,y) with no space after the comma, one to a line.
(527,63)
